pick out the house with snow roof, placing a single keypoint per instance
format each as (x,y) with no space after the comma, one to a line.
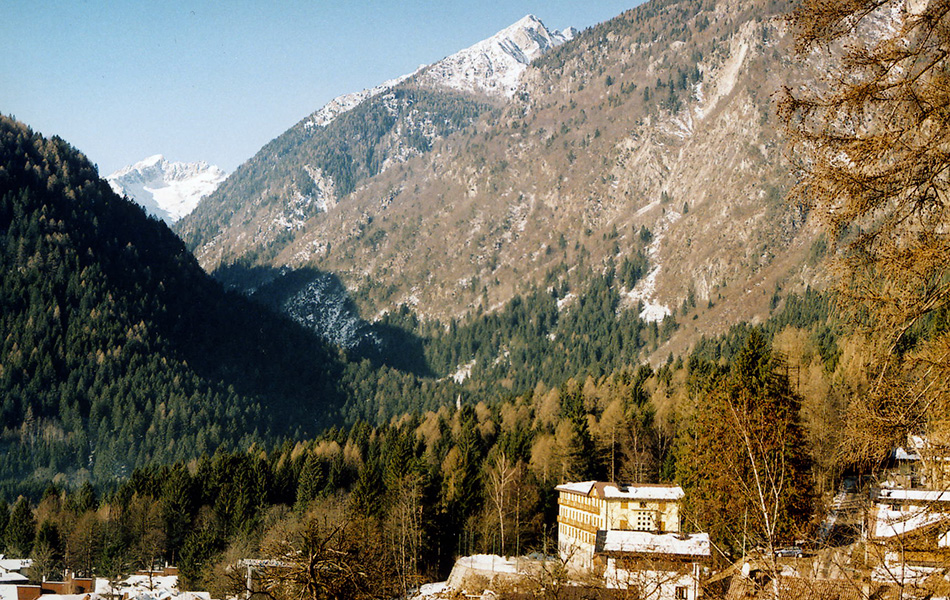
(630,536)
(909,527)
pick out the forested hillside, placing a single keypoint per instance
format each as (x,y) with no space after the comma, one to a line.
(116,349)
(409,495)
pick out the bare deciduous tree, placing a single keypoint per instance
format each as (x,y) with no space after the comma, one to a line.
(328,555)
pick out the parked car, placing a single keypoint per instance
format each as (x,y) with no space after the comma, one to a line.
(789,552)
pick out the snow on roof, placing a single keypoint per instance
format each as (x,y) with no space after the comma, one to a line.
(12,577)
(15,564)
(915,495)
(140,587)
(902,574)
(639,491)
(646,492)
(693,545)
(582,487)
(901,454)
(8,592)
(893,523)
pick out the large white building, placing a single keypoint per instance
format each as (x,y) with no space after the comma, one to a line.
(629,535)
(590,506)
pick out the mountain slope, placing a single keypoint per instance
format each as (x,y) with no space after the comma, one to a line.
(325,157)
(652,132)
(117,349)
(167,190)
(658,123)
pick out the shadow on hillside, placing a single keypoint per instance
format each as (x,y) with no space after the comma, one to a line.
(320,302)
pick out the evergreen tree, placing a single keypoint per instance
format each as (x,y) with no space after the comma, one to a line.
(21,529)
(741,456)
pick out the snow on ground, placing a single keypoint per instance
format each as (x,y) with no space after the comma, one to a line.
(488,562)
(562,302)
(430,590)
(463,372)
(645,289)
(347,102)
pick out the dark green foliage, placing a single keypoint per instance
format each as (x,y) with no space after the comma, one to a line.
(532,340)
(741,453)
(21,530)
(117,349)
(4,521)
(812,310)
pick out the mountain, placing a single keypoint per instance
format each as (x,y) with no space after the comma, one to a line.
(494,66)
(117,349)
(167,190)
(654,132)
(307,170)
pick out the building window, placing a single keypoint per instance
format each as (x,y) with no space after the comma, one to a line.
(645,522)
(682,592)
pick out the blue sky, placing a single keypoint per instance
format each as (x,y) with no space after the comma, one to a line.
(216,81)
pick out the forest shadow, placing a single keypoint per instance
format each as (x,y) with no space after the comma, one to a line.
(320,302)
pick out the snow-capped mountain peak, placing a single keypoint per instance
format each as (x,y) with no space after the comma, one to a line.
(494,66)
(168,190)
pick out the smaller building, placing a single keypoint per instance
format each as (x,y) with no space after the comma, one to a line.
(905,513)
(909,538)
(657,566)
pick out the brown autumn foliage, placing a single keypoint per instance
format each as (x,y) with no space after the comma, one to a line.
(871,141)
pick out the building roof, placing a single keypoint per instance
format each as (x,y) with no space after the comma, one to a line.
(693,545)
(887,495)
(743,588)
(637,491)
(893,523)
(15,564)
(8,592)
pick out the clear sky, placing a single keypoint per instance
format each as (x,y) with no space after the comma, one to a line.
(215,81)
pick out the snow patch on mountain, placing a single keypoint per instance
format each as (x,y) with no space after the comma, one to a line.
(644,291)
(167,190)
(347,102)
(494,66)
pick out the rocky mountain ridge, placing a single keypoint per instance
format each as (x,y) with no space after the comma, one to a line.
(308,169)
(494,66)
